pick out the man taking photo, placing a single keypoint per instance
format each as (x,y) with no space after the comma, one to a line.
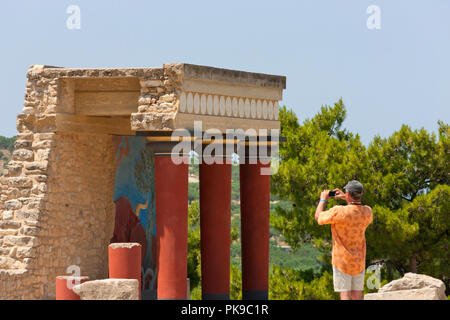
(348,226)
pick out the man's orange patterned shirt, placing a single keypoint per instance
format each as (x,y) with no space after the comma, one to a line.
(348,226)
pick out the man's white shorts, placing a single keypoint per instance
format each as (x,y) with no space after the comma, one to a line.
(345,282)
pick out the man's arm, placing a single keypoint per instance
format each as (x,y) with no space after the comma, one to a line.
(322,203)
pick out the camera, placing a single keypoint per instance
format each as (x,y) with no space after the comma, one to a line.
(332,193)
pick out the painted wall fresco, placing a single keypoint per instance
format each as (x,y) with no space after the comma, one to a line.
(134,197)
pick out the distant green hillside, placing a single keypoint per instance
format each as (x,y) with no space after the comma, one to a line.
(6,149)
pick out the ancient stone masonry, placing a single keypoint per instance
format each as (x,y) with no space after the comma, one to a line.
(56,204)
(56,196)
(157,101)
(186,93)
(23,190)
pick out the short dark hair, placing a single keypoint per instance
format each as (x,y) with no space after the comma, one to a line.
(355,195)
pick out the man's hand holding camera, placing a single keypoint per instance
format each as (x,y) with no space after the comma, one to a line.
(336,193)
(325,196)
(339,194)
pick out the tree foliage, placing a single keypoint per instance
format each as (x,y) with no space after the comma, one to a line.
(289,284)
(317,155)
(406,180)
(406,183)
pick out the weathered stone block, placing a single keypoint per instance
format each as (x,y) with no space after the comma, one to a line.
(31,223)
(23,155)
(413,294)
(9,224)
(27,262)
(36,167)
(108,289)
(28,110)
(22,144)
(7,215)
(36,204)
(20,182)
(30,231)
(23,214)
(142,108)
(42,154)
(25,192)
(42,187)
(145,99)
(169,98)
(14,169)
(415,281)
(25,136)
(25,123)
(9,263)
(45,144)
(26,252)
(40,177)
(8,232)
(13,205)
(24,241)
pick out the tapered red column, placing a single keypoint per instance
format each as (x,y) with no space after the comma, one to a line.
(215,215)
(171,190)
(255,211)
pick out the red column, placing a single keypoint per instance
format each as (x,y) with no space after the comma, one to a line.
(255,211)
(64,285)
(215,215)
(125,261)
(171,190)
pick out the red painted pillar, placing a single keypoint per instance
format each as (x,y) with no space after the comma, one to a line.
(171,191)
(125,261)
(64,285)
(255,211)
(215,215)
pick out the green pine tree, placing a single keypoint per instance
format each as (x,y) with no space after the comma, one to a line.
(406,183)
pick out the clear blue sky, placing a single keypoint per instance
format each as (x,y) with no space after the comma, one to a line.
(398,74)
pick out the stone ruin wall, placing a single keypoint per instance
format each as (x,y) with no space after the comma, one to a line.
(56,196)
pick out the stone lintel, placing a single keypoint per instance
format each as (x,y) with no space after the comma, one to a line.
(191,71)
